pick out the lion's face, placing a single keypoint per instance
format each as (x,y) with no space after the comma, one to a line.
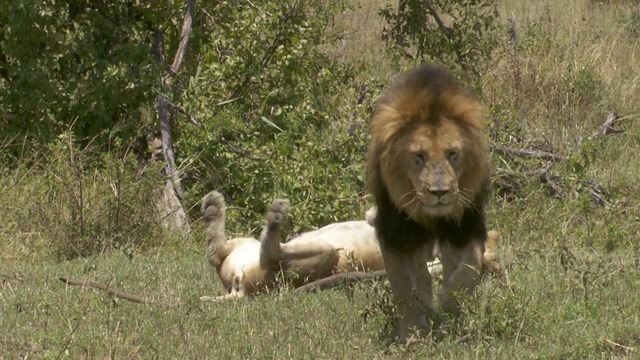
(427,163)
(431,155)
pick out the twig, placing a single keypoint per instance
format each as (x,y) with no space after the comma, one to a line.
(516,60)
(513,35)
(624,347)
(546,179)
(240,152)
(597,195)
(366,90)
(70,336)
(117,293)
(175,108)
(607,128)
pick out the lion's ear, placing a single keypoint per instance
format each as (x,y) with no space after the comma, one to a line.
(385,124)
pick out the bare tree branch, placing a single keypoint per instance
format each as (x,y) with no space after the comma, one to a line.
(117,293)
(434,13)
(184,37)
(607,128)
(447,31)
(178,109)
(554,182)
(171,206)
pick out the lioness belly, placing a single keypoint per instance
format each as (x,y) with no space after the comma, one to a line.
(242,267)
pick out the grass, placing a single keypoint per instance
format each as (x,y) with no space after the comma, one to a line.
(574,265)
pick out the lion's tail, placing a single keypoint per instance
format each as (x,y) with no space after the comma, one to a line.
(214,213)
(490,262)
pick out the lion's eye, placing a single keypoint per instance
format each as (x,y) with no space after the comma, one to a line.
(419,158)
(453,156)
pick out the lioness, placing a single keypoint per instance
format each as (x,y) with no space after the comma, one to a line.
(428,169)
(246,265)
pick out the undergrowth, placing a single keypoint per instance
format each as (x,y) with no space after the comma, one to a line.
(69,202)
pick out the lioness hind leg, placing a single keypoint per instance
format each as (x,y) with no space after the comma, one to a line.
(214,212)
(271,235)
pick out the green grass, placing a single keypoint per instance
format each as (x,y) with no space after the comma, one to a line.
(573,265)
(540,310)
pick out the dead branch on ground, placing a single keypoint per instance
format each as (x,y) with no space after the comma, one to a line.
(505,177)
(117,293)
(339,279)
(528,153)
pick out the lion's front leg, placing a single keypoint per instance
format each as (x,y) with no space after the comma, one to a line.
(462,268)
(411,286)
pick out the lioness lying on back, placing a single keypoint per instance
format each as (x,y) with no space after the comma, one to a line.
(246,265)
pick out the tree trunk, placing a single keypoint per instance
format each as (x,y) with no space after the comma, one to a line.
(169,198)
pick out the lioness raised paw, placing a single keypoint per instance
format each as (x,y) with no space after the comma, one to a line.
(277,213)
(213,206)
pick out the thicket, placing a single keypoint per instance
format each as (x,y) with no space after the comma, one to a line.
(278,115)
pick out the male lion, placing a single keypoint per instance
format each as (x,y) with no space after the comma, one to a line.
(428,169)
(246,265)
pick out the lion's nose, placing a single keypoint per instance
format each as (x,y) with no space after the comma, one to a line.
(439,192)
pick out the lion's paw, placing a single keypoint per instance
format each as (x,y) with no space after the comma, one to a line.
(278,211)
(213,204)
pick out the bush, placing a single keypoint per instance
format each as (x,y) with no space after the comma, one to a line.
(460,34)
(78,65)
(273,108)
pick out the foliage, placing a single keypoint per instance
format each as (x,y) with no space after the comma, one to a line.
(270,102)
(77,65)
(460,34)
(254,76)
